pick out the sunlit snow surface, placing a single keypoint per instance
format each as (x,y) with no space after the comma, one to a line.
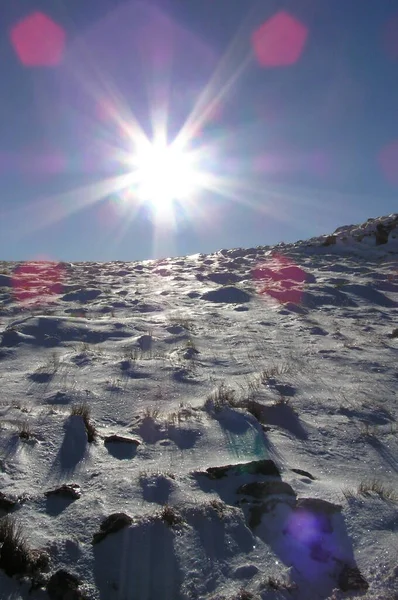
(305,331)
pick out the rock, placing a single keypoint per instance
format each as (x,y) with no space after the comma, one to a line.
(68,490)
(227,295)
(82,295)
(350,578)
(64,586)
(115,522)
(316,505)
(303,473)
(7,503)
(261,489)
(318,331)
(260,467)
(239,252)
(330,240)
(120,439)
(223,277)
(382,233)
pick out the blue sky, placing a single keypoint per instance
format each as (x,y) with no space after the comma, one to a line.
(300,148)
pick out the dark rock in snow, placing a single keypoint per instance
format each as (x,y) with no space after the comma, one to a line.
(316,505)
(82,295)
(382,233)
(7,503)
(260,467)
(227,295)
(223,277)
(318,331)
(350,578)
(120,439)
(64,586)
(304,473)
(67,490)
(121,447)
(330,240)
(115,522)
(262,489)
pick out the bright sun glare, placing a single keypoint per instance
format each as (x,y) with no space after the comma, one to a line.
(162,173)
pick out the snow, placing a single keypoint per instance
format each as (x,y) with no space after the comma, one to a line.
(278,364)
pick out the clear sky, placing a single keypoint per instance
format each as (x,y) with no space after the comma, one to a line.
(291,109)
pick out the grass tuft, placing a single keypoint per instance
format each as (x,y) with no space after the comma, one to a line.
(24,431)
(170,516)
(151,413)
(274,371)
(221,397)
(369,487)
(375,486)
(83,410)
(16,558)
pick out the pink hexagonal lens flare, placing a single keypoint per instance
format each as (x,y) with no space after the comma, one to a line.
(391,38)
(38,41)
(281,279)
(388,161)
(37,282)
(280,41)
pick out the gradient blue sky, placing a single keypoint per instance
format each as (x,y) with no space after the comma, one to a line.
(303,148)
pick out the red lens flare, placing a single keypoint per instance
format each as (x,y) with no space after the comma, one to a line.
(280,41)
(281,279)
(317,163)
(388,160)
(391,38)
(38,41)
(37,282)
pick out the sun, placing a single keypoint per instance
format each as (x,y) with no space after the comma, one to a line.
(163,174)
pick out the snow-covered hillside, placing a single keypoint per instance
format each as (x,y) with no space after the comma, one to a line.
(215,426)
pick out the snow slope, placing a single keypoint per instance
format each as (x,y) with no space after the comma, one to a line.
(229,423)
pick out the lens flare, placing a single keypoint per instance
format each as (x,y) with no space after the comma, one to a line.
(37,282)
(281,279)
(38,41)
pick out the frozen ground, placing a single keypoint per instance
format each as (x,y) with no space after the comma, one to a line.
(277,363)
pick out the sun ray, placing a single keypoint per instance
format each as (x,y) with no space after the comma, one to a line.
(225,76)
(53,209)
